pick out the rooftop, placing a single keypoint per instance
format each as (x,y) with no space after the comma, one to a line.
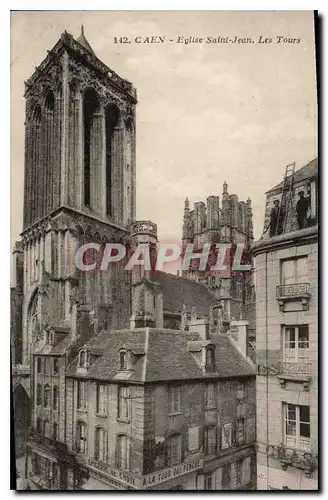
(178,291)
(165,356)
(309,171)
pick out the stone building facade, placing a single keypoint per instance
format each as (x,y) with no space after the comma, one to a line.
(287,341)
(153,409)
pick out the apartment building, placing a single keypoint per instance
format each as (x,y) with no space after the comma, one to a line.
(286,260)
(145,408)
(159,409)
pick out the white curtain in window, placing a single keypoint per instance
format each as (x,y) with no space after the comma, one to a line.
(226,435)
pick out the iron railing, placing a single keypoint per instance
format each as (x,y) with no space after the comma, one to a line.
(39,438)
(294,457)
(293,290)
(295,368)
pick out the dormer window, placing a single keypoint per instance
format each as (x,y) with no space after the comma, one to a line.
(123,360)
(210,359)
(84,359)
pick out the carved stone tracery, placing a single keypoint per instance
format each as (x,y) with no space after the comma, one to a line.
(85,78)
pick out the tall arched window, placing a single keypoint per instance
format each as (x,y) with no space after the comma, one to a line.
(46,396)
(46,365)
(100,444)
(39,365)
(34,164)
(81,437)
(39,394)
(48,152)
(91,106)
(123,452)
(38,425)
(46,429)
(55,398)
(50,101)
(55,431)
(111,120)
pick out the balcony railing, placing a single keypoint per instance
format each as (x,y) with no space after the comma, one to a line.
(293,290)
(43,440)
(296,368)
(295,371)
(294,458)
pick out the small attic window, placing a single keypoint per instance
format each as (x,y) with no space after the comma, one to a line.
(84,358)
(123,360)
(210,359)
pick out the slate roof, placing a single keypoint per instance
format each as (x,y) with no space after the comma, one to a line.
(59,348)
(167,357)
(63,345)
(309,170)
(178,290)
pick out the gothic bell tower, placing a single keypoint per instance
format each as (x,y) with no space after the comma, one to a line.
(79,183)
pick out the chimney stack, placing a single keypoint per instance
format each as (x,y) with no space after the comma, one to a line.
(238,333)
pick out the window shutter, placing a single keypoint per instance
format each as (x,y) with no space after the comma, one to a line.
(246,471)
(233,476)
(101,444)
(217,479)
(97,452)
(218,437)
(193,438)
(182,446)
(233,433)
(250,430)
(200,482)
(170,400)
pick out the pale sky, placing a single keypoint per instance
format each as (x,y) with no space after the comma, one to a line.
(206,113)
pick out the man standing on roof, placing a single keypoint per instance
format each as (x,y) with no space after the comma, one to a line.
(275,220)
(301,210)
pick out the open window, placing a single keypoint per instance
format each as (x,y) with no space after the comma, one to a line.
(210,359)
(84,359)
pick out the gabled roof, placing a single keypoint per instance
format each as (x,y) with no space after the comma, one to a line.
(166,357)
(309,171)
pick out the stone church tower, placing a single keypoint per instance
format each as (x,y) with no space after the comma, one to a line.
(228,222)
(79,188)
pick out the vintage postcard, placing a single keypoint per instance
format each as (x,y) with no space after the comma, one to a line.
(164,233)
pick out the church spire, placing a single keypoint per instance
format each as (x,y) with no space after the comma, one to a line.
(84,42)
(186,204)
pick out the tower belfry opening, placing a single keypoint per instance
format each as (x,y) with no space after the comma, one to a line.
(111,121)
(91,115)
